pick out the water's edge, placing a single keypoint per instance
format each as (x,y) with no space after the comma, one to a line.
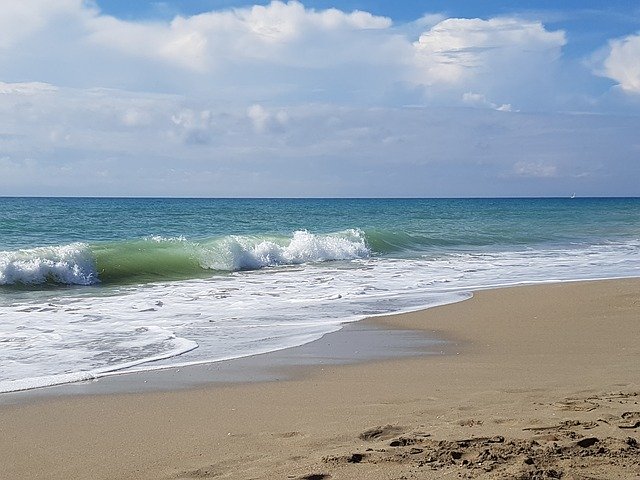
(354,342)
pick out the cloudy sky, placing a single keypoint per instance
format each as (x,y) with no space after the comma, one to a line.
(223,98)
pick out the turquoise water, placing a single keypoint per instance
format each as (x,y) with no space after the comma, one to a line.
(154,239)
(91,286)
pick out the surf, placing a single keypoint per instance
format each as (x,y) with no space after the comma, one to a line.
(157,258)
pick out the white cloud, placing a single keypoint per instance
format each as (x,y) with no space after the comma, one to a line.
(26,88)
(277,33)
(286,100)
(622,63)
(194,126)
(174,44)
(265,121)
(281,51)
(20,19)
(78,142)
(259,116)
(458,49)
(480,101)
(512,61)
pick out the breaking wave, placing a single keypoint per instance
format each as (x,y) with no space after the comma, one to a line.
(158,258)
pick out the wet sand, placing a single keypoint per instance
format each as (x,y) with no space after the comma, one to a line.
(534,382)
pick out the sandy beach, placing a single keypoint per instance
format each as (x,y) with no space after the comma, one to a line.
(534,382)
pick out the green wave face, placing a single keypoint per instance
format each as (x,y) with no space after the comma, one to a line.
(156,258)
(146,261)
(383,241)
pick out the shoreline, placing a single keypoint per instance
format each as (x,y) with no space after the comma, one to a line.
(551,355)
(285,363)
(354,343)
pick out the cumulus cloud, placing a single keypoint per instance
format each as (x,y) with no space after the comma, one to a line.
(457,49)
(622,63)
(194,126)
(21,19)
(281,33)
(279,51)
(265,121)
(496,57)
(281,99)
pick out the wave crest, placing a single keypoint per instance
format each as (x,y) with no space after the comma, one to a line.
(251,253)
(71,264)
(158,258)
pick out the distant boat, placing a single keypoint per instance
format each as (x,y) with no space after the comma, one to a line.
(573,195)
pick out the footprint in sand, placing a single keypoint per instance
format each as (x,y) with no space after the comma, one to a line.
(381,433)
(575,405)
(353,458)
(470,422)
(630,420)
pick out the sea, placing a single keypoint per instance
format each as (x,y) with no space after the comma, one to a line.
(91,287)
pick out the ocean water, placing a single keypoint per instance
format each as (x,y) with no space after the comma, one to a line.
(92,287)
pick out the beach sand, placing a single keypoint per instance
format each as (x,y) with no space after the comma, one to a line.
(536,382)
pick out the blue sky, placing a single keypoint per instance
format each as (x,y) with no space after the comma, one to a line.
(319,98)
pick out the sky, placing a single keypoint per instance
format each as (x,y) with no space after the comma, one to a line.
(319,98)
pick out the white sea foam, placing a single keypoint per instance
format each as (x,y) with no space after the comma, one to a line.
(79,333)
(251,253)
(66,264)
(75,264)
(167,346)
